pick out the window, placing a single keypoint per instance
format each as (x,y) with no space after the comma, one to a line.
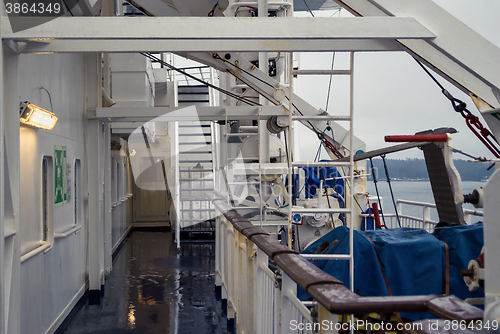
(124,179)
(78,191)
(118,183)
(45,198)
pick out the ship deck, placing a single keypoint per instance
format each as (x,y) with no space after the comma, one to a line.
(153,288)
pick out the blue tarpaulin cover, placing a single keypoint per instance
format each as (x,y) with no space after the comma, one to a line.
(413,261)
(465,243)
(314,175)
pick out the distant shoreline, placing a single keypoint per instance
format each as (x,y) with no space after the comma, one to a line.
(416,170)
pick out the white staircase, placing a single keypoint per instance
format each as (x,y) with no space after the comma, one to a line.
(194,167)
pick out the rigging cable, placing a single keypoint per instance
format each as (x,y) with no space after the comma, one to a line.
(331,75)
(454,150)
(390,188)
(319,133)
(330,83)
(230,94)
(459,106)
(309,9)
(212,12)
(216,56)
(376,189)
(67,8)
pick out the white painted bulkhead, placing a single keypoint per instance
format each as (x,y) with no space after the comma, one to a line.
(51,279)
(55,265)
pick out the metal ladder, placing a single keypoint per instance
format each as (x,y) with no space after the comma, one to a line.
(349,194)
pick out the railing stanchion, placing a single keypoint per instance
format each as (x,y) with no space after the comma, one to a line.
(325,317)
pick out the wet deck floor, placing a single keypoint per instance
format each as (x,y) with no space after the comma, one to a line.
(153,288)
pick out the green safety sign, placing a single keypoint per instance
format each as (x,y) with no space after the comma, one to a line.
(60,181)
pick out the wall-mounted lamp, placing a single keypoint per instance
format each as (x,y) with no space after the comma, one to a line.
(106,100)
(38,117)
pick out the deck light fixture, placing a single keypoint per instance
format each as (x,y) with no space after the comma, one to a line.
(36,116)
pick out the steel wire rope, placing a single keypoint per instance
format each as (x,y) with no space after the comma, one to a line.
(331,75)
(315,129)
(309,9)
(390,188)
(461,107)
(330,83)
(376,189)
(233,95)
(228,93)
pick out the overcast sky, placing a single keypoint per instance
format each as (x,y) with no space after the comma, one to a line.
(393,95)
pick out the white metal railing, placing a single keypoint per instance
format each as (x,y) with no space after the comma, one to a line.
(425,222)
(267,311)
(265,300)
(203,73)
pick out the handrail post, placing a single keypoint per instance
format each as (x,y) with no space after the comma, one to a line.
(232,270)
(427,217)
(219,250)
(399,207)
(327,321)
(259,291)
(286,304)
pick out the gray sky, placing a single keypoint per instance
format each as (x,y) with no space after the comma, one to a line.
(393,95)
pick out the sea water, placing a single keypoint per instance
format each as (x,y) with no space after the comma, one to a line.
(418,191)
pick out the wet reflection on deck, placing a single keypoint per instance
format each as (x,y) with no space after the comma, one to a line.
(155,289)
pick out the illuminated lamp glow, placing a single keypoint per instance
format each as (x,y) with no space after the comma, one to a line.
(36,116)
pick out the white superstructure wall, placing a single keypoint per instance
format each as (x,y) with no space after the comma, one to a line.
(51,279)
(74,193)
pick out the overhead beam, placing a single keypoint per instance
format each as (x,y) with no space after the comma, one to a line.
(213,28)
(214,45)
(125,34)
(140,115)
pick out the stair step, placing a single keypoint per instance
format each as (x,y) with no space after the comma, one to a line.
(194,125)
(191,161)
(196,143)
(194,134)
(195,200)
(196,220)
(193,93)
(192,86)
(196,152)
(194,101)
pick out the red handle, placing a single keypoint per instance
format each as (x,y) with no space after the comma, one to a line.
(416,138)
(376,215)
